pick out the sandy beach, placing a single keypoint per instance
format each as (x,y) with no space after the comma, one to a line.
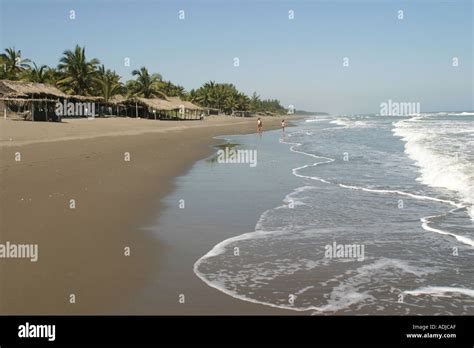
(305,170)
(83,243)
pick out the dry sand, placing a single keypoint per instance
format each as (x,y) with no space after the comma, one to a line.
(81,250)
(15,133)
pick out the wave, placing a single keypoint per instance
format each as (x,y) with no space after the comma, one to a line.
(320,119)
(221,248)
(346,293)
(464,113)
(447,113)
(424,220)
(425,224)
(440,291)
(438,168)
(350,123)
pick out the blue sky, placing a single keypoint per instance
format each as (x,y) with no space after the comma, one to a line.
(298,61)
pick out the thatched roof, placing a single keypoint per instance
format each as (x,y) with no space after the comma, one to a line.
(84,98)
(184,104)
(170,103)
(27,91)
(154,103)
(117,99)
(22,89)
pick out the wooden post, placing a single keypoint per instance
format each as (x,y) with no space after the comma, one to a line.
(32,111)
(136,109)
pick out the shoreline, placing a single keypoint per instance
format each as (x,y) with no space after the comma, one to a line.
(82,250)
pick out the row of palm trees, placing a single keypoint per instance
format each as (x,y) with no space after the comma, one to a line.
(225,97)
(77,75)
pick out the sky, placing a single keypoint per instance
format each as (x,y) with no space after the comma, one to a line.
(296,60)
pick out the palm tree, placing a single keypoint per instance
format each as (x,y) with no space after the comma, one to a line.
(230,103)
(192,96)
(172,90)
(3,67)
(36,74)
(207,94)
(13,64)
(53,75)
(243,102)
(201,95)
(146,85)
(78,73)
(255,102)
(108,83)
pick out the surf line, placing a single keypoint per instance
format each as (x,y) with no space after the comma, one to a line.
(222,247)
(425,221)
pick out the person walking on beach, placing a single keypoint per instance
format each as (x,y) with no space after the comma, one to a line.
(259,125)
(283,125)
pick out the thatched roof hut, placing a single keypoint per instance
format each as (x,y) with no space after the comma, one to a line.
(29,90)
(184,104)
(153,103)
(33,91)
(117,99)
(170,103)
(85,98)
(29,100)
(38,101)
(163,108)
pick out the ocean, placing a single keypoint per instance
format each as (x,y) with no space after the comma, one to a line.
(370,215)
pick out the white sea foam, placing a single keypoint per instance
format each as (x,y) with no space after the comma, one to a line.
(464,113)
(427,227)
(440,291)
(349,292)
(342,296)
(320,119)
(439,167)
(425,220)
(351,123)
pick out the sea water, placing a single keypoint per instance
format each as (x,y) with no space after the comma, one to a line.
(401,187)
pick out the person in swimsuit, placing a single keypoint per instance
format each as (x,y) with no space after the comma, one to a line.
(283,125)
(259,125)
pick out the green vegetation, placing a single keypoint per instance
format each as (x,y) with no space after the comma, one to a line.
(13,64)
(75,74)
(108,83)
(222,96)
